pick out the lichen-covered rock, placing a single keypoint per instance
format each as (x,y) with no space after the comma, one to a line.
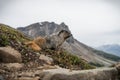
(9,55)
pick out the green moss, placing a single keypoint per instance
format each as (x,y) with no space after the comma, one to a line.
(67,60)
(4,40)
(96,64)
(11,34)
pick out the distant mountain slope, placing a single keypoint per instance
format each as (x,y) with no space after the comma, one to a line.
(112,49)
(71,45)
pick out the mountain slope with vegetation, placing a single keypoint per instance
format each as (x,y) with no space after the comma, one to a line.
(30,58)
(107,55)
(71,45)
(12,37)
(32,68)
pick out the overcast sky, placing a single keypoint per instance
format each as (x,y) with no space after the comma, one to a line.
(93,22)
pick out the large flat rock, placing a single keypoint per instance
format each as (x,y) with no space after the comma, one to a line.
(50,73)
(95,74)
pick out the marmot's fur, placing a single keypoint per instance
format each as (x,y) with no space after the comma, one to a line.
(40,41)
(33,45)
(36,44)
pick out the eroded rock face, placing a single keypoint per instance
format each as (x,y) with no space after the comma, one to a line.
(9,55)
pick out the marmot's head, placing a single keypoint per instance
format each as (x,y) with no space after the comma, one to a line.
(64,34)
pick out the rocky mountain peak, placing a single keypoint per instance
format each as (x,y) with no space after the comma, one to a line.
(44,29)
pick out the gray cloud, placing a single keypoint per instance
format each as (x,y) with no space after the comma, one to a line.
(4,3)
(115,32)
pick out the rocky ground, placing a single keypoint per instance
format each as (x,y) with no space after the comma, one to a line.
(11,69)
(19,62)
(48,72)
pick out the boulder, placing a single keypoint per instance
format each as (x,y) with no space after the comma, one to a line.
(46,59)
(94,74)
(66,74)
(9,55)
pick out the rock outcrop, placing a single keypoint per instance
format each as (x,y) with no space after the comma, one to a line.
(54,73)
(95,74)
(9,55)
(72,45)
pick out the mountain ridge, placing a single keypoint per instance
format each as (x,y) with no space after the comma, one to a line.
(72,45)
(111,49)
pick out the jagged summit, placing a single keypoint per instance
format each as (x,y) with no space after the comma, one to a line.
(43,28)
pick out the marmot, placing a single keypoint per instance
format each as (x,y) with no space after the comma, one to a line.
(49,42)
(56,40)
